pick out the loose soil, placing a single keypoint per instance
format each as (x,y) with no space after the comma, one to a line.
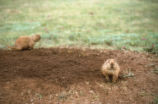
(72,76)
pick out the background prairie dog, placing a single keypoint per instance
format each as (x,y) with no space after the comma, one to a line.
(110,67)
(25,42)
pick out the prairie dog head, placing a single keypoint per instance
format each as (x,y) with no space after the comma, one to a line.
(36,38)
(112,64)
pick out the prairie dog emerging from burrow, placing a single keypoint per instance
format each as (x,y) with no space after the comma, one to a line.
(110,68)
(25,42)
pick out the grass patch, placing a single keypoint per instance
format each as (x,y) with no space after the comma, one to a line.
(122,24)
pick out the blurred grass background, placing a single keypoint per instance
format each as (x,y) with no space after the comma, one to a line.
(111,24)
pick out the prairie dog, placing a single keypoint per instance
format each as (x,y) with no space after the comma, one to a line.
(110,67)
(25,42)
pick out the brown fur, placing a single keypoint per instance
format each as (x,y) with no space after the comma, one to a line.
(25,42)
(111,67)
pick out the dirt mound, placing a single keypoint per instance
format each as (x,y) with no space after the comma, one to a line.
(67,76)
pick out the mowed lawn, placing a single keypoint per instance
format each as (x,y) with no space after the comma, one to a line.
(112,24)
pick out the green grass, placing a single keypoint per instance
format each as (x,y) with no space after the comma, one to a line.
(113,24)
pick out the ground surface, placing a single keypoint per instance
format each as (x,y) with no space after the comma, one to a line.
(72,76)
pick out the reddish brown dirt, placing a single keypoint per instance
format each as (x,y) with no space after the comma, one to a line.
(72,76)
